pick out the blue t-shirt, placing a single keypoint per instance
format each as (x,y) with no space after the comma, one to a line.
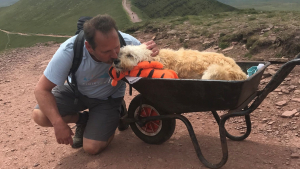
(92,77)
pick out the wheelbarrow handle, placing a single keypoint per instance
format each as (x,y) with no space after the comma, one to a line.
(277,79)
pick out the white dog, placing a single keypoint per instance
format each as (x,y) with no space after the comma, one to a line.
(188,64)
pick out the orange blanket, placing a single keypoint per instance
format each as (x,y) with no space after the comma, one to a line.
(149,69)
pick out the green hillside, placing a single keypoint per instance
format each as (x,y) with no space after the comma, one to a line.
(162,8)
(15,41)
(7,2)
(283,5)
(57,16)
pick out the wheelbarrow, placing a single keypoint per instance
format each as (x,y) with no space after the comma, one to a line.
(153,112)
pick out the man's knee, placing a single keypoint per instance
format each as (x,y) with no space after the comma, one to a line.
(38,117)
(94,147)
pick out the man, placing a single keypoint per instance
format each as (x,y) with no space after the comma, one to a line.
(55,99)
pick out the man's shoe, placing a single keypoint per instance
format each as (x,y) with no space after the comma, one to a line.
(78,138)
(124,114)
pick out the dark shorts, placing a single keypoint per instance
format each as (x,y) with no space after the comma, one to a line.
(104,115)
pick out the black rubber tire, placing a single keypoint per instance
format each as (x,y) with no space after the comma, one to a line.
(167,125)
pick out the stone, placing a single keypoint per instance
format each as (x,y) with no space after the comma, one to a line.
(297,92)
(296,99)
(280,60)
(227,49)
(289,113)
(172,32)
(36,164)
(277,90)
(281,103)
(271,72)
(295,155)
(285,91)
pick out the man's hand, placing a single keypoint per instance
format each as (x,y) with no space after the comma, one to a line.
(63,133)
(151,45)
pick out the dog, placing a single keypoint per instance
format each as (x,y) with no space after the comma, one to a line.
(187,63)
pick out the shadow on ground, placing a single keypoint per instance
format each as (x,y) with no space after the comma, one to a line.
(128,151)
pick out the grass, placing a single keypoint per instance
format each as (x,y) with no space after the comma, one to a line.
(57,16)
(16,41)
(269,5)
(163,8)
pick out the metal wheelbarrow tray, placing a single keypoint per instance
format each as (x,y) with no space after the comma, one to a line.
(165,99)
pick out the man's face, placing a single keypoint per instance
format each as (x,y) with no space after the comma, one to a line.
(107,47)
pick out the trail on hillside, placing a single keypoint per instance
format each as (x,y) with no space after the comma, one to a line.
(33,34)
(133,16)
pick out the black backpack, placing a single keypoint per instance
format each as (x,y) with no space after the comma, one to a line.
(78,54)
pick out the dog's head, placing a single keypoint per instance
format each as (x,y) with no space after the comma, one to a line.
(129,56)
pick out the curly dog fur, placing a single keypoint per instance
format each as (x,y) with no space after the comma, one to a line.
(188,64)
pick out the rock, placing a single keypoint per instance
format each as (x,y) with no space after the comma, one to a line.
(285,91)
(281,103)
(270,123)
(172,32)
(297,114)
(271,72)
(297,91)
(234,43)
(279,60)
(296,99)
(292,87)
(295,155)
(227,49)
(36,164)
(272,38)
(277,90)
(289,113)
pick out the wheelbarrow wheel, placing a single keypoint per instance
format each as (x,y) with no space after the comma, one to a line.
(152,132)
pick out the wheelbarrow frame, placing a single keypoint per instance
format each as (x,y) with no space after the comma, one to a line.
(240,107)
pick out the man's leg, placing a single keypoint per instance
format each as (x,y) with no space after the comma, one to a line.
(102,123)
(39,117)
(64,97)
(94,147)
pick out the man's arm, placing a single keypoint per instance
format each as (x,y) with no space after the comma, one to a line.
(49,108)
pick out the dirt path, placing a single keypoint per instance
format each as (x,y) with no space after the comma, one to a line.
(33,34)
(273,143)
(133,16)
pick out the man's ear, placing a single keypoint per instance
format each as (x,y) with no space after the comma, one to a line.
(89,47)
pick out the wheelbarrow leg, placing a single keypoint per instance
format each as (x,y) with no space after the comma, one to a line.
(197,147)
(194,139)
(234,138)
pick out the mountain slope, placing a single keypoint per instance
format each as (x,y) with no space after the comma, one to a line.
(162,8)
(285,5)
(7,2)
(57,16)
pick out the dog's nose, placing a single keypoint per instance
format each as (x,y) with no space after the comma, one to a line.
(116,61)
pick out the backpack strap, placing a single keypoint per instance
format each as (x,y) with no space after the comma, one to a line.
(78,54)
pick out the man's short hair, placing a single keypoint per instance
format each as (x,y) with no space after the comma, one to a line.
(102,23)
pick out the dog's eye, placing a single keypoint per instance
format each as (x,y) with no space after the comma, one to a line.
(129,56)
